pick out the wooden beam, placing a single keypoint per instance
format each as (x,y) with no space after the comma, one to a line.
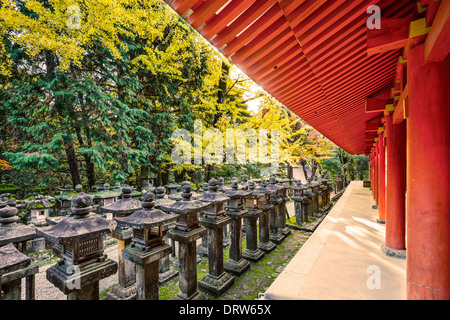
(220,21)
(400,112)
(437,44)
(370,136)
(182,6)
(393,35)
(418,28)
(242,22)
(204,12)
(375,105)
(371,127)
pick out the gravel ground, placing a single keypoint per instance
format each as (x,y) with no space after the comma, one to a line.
(47,291)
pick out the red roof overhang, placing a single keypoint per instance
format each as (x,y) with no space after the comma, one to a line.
(311,55)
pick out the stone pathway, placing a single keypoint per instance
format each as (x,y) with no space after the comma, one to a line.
(343,259)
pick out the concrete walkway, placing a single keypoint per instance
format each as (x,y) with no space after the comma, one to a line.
(343,258)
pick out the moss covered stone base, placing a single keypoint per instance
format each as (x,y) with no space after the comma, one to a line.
(216,285)
(121,293)
(168,275)
(195,296)
(236,268)
(267,246)
(277,238)
(253,255)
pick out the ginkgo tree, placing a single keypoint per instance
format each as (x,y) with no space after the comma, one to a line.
(105,93)
(95,89)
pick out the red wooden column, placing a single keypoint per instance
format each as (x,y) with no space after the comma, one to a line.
(381,179)
(395,187)
(370,170)
(372,182)
(428,177)
(375,171)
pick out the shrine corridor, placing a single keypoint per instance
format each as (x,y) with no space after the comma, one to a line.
(343,258)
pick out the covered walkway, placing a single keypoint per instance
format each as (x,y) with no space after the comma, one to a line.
(343,258)
(373,77)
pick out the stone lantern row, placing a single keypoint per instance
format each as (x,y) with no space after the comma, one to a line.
(142,228)
(312,199)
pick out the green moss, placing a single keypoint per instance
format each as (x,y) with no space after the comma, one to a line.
(8,188)
(249,285)
(103,293)
(36,206)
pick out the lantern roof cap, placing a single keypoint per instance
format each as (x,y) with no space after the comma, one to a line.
(126,205)
(234,192)
(83,225)
(10,230)
(186,205)
(12,259)
(148,216)
(212,195)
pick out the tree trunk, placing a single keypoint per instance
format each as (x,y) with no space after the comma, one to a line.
(303,164)
(90,167)
(221,93)
(50,61)
(90,164)
(73,164)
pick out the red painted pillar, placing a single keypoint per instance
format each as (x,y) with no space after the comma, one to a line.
(395,184)
(372,180)
(370,170)
(376,173)
(428,177)
(381,178)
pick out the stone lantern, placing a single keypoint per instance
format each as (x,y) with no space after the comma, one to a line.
(264,231)
(147,246)
(104,197)
(126,289)
(178,195)
(321,194)
(340,182)
(160,198)
(276,200)
(148,183)
(40,208)
(187,230)
(252,252)
(317,194)
(308,194)
(298,201)
(235,209)
(222,186)
(66,189)
(244,184)
(63,200)
(166,272)
(216,281)
(13,232)
(324,187)
(14,265)
(79,242)
(282,208)
(328,188)
(172,188)
(292,182)
(202,251)
(323,191)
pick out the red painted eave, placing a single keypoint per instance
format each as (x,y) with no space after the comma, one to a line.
(311,55)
